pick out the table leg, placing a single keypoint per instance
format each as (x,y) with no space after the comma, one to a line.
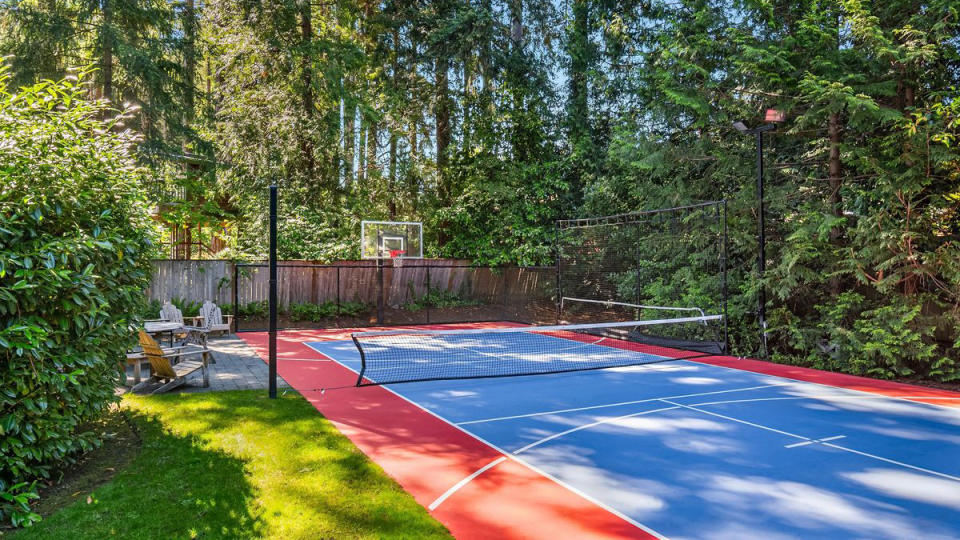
(206,369)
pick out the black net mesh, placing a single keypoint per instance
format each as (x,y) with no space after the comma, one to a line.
(648,265)
(423,355)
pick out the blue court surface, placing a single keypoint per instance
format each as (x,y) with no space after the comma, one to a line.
(689,450)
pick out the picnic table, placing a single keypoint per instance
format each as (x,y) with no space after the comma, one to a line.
(162,327)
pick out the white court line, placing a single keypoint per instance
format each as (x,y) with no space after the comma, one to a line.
(831,445)
(519,460)
(822,397)
(590,425)
(805,443)
(591,407)
(678,405)
(732,419)
(893,462)
(433,506)
(909,399)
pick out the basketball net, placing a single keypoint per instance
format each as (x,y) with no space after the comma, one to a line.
(397,256)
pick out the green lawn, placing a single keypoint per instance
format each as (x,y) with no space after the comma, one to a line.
(238,465)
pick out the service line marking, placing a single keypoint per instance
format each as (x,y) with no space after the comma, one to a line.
(814,441)
(830,444)
(608,405)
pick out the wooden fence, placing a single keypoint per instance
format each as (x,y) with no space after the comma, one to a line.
(192,280)
(359,281)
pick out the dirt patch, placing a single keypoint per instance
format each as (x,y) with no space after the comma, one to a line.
(121,444)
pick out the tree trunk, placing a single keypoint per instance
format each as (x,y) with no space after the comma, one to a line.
(486,55)
(210,108)
(518,84)
(579,48)
(394,127)
(442,114)
(306,92)
(190,59)
(468,103)
(349,154)
(392,178)
(371,161)
(836,182)
(106,52)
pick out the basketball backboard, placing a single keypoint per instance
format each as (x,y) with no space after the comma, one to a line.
(391,240)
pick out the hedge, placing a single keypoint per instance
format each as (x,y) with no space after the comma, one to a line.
(75,242)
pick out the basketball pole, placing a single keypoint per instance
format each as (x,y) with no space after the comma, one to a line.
(272,376)
(761,231)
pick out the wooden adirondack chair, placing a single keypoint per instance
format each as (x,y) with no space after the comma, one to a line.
(213,318)
(171,313)
(172,374)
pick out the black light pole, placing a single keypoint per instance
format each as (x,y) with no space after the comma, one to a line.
(272,376)
(761,229)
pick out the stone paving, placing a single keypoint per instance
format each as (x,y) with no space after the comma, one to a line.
(237,367)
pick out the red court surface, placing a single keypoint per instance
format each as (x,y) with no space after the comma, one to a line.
(470,486)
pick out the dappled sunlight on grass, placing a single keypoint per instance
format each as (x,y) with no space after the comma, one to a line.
(236,464)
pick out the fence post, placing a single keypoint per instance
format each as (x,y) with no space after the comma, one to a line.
(503,309)
(338,295)
(236,287)
(427,296)
(380,293)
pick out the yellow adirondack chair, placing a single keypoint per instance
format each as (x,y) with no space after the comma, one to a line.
(172,374)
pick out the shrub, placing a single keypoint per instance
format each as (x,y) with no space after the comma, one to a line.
(440,298)
(151,310)
(354,309)
(865,337)
(189,308)
(255,309)
(326,310)
(75,243)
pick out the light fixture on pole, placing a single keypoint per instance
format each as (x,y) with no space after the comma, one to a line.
(772,115)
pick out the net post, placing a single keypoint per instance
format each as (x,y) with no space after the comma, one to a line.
(363,360)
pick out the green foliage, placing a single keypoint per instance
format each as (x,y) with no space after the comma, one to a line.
(75,244)
(188,308)
(259,308)
(440,298)
(326,310)
(151,310)
(866,337)
(489,120)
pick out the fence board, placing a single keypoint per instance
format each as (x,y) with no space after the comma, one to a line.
(358,281)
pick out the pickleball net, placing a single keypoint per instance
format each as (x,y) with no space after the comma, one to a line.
(396,356)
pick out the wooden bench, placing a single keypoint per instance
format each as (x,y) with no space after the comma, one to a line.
(134,359)
(172,374)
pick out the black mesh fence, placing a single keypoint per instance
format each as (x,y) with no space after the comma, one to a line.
(659,264)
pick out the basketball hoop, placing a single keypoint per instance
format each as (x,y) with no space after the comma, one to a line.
(397,256)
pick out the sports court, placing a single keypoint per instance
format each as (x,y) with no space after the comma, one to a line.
(609,406)
(712,446)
